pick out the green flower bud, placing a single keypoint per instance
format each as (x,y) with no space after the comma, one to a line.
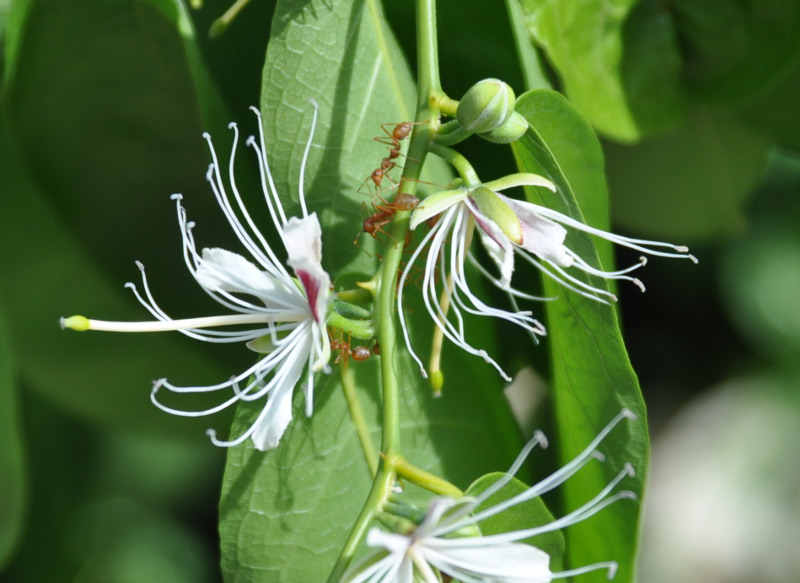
(509,131)
(485,106)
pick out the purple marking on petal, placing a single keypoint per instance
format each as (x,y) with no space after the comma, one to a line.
(312,291)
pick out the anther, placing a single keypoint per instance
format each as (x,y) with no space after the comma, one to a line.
(629,469)
(541,438)
(140,265)
(627,413)
(638,283)
(176,196)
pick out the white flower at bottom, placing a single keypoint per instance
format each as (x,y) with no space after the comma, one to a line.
(441,542)
(279,315)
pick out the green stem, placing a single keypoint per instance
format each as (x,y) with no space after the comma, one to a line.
(385,311)
(424,479)
(349,387)
(459,162)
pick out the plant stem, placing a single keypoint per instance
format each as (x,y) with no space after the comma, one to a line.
(428,90)
(459,162)
(362,430)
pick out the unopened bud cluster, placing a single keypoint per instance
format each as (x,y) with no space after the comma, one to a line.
(487,109)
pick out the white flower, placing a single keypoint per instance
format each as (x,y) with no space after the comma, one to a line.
(279,315)
(441,542)
(506,227)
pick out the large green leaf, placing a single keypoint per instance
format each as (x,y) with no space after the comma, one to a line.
(592,378)
(12,465)
(618,60)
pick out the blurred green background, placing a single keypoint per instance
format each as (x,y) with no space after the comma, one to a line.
(103,104)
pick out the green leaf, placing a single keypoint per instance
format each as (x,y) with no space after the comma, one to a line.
(592,378)
(618,60)
(356,72)
(690,184)
(13,498)
(528,514)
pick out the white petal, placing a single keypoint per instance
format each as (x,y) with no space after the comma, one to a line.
(507,563)
(222,270)
(435,204)
(303,240)
(499,247)
(271,428)
(396,544)
(542,237)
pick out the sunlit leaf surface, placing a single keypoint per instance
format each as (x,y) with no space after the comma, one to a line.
(592,378)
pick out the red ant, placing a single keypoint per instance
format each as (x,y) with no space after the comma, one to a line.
(384,212)
(400,132)
(357,353)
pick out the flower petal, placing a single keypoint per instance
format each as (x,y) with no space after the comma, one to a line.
(542,237)
(505,563)
(520,179)
(222,270)
(496,243)
(435,204)
(303,241)
(271,428)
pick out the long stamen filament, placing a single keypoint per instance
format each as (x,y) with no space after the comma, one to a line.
(81,323)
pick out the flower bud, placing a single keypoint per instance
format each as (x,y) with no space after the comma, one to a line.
(509,131)
(485,106)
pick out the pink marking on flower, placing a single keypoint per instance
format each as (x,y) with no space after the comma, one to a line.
(311,286)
